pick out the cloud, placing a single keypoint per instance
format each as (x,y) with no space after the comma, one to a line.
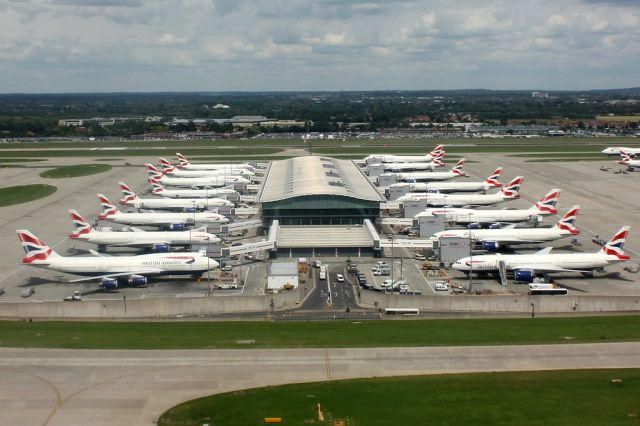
(67,45)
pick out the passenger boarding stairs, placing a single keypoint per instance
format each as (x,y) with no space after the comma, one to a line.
(502,272)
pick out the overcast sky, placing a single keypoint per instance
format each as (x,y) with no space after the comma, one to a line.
(254,45)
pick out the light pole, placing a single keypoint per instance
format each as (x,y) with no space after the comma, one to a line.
(393,261)
(470,255)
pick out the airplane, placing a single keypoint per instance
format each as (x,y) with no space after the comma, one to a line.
(173,221)
(453,173)
(509,192)
(628,161)
(130,198)
(454,186)
(544,207)
(526,266)
(226,170)
(492,239)
(408,167)
(437,152)
(183,163)
(110,270)
(160,190)
(615,150)
(160,242)
(216,181)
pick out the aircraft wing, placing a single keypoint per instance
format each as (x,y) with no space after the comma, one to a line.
(512,240)
(119,274)
(548,267)
(139,245)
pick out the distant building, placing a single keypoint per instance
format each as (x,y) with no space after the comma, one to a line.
(540,95)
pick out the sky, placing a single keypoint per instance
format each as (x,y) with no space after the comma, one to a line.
(324,45)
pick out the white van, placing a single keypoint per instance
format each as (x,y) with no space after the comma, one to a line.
(442,286)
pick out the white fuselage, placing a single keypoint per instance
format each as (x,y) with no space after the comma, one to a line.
(512,236)
(195,193)
(577,261)
(400,167)
(202,181)
(481,216)
(444,186)
(426,176)
(179,203)
(385,158)
(163,263)
(617,149)
(166,218)
(455,200)
(633,164)
(147,239)
(186,173)
(214,166)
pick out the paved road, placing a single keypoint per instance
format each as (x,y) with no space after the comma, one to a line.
(99,387)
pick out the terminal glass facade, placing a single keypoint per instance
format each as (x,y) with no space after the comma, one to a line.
(320,210)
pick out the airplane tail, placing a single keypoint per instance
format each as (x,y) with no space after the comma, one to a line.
(157,187)
(167,167)
(568,221)
(437,152)
(153,171)
(512,189)
(182,159)
(80,225)
(494,178)
(36,251)
(128,195)
(625,158)
(107,207)
(614,246)
(458,168)
(547,204)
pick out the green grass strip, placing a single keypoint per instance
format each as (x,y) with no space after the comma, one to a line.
(75,171)
(539,398)
(438,332)
(24,193)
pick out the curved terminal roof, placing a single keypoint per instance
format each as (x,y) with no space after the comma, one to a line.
(313,175)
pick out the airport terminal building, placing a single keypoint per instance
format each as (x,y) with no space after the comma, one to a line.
(320,206)
(315,190)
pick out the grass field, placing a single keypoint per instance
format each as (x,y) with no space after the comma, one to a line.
(193,335)
(20,160)
(75,171)
(139,152)
(629,118)
(24,193)
(568,398)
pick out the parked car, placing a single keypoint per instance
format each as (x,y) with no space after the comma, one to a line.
(75,297)
(420,257)
(226,268)
(27,292)
(339,278)
(442,286)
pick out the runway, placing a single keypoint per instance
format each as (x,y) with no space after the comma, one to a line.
(127,387)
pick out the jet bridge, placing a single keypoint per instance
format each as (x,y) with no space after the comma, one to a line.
(248,248)
(240,226)
(397,221)
(406,243)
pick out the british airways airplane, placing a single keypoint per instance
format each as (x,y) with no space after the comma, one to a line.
(526,266)
(110,270)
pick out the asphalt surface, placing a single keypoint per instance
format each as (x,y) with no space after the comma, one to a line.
(58,387)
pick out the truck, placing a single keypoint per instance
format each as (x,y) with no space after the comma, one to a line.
(323,272)
(382,270)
